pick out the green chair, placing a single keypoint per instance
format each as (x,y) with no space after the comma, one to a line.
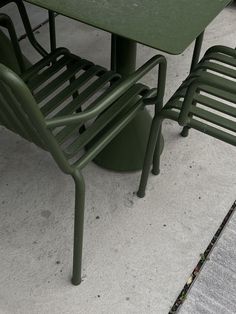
(73,108)
(7,55)
(25,20)
(206,101)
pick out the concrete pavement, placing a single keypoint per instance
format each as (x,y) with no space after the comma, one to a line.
(139,253)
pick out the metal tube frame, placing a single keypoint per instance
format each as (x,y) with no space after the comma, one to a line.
(52,30)
(6,22)
(27,25)
(195,60)
(154,148)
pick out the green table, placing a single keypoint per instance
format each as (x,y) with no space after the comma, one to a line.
(167,25)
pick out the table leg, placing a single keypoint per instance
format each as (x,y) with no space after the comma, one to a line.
(126,152)
(123,55)
(52,30)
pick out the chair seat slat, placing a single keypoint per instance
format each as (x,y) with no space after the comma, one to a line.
(49,72)
(69,90)
(104,119)
(60,80)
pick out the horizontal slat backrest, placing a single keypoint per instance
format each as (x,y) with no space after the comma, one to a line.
(20,113)
(215,106)
(206,100)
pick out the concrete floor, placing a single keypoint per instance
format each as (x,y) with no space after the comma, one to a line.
(214,290)
(139,253)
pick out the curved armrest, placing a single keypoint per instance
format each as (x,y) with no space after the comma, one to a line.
(220,49)
(105,101)
(206,79)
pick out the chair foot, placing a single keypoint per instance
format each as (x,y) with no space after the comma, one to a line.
(141,194)
(76,281)
(155,171)
(185,131)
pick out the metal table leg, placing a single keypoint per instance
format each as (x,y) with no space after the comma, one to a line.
(126,152)
(52,30)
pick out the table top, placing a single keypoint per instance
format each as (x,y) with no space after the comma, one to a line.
(167,25)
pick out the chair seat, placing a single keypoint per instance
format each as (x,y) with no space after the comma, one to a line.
(213,108)
(63,84)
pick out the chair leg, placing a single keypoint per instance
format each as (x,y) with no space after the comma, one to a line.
(157,154)
(185,131)
(195,60)
(78,227)
(155,127)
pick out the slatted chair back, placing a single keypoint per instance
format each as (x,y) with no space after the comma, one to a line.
(27,26)
(206,101)
(20,113)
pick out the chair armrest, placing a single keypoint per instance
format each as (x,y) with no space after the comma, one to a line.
(220,49)
(105,101)
(206,79)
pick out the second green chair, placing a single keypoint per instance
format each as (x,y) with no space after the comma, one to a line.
(206,101)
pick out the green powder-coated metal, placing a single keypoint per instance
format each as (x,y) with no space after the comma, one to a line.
(195,59)
(161,24)
(7,54)
(125,55)
(167,25)
(49,103)
(27,25)
(52,30)
(127,150)
(206,100)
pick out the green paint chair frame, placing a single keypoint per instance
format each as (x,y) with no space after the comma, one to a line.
(73,108)
(206,101)
(26,22)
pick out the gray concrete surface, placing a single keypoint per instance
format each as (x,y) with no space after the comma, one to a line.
(140,252)
(214,291)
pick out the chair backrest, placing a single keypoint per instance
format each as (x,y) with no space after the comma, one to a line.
(27,25)
(20,113)
(6,23)
(7,54)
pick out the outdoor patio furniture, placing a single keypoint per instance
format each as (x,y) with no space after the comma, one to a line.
(206,101)
(42,104)
(27,25)
(7,54)
(113,124)
(157,24)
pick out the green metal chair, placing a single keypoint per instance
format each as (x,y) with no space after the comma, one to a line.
(26,22)
(42,105)
(206,101)
(28,29)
